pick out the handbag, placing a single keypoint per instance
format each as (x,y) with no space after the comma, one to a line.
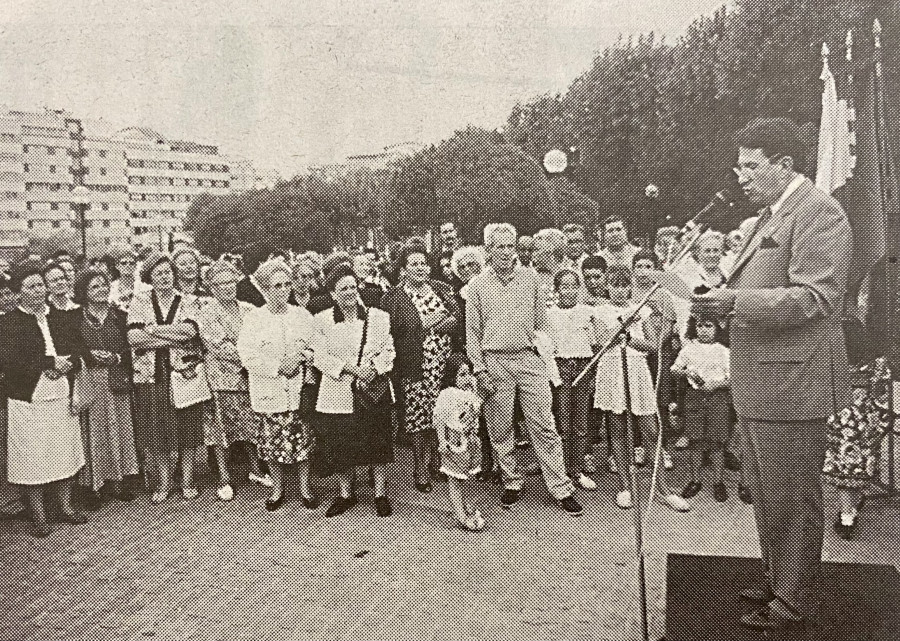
(374,394)
(189,391)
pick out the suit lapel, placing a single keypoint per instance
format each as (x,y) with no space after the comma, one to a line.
(766,225)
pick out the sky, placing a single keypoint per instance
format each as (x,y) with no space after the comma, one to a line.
(291,84)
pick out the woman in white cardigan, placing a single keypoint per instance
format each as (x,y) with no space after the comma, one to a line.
(344,440)
(274,347)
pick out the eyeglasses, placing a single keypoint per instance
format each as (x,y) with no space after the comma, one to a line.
(286,285)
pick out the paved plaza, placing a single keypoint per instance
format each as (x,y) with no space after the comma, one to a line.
(213,570)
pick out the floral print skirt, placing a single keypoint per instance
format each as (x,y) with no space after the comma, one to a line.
(420,396)
(283,437)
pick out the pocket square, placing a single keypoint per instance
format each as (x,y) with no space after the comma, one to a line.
(768,243)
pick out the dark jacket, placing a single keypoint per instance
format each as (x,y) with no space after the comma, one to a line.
(111,336)
(22,349)
(248,292)
(407,329)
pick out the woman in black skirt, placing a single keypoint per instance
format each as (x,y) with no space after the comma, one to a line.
(353,342)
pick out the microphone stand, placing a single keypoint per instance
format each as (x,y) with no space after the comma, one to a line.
(629,428)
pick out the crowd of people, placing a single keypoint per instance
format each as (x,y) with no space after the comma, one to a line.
(133,363)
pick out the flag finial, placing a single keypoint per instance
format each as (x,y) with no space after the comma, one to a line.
(876,31)
(848,44)
(825,50)
(826,72)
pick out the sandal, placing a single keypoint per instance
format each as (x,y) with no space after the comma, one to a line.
(473,523)
(160,495)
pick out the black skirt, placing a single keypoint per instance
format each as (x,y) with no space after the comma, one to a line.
(344,441)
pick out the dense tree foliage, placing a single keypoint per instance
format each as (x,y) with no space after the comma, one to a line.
(646,111)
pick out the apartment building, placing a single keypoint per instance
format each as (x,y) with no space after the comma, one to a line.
(133,184)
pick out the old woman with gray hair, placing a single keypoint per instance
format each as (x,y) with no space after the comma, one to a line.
(228,419)
(274,346)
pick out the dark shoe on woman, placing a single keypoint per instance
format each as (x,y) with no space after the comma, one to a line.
(310,502)
(126,496)
(41,530)
(744,494)
(720,494)
(91,500)
(731,461)
(425,487)
(691,490)
(75,518)
(340,505)
(383,506)
(274,504)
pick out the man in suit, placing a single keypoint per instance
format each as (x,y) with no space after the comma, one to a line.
(788,361)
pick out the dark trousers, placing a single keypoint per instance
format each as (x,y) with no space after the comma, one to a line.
(783,463)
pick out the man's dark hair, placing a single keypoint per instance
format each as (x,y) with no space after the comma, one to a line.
(593,262)
(777,137)
(612,219)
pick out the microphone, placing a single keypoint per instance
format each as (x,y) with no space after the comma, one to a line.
(721,199)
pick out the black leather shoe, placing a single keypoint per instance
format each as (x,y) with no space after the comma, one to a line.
(745,495)
(767,620)
(720,494)
(732,463)
(91,500)
(310,503)
(383,506)
(274,504)
(759,594)
(691,490)
(340,505)
(509,498)
(425,487)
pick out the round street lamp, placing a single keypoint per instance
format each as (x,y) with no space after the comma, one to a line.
(555,161)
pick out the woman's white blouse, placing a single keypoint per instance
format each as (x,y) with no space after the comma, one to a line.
(337,344)
(264,340)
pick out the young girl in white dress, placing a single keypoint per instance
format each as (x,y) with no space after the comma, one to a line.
(610,395)
(456,415)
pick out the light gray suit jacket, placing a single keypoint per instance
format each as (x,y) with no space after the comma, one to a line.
(788,357)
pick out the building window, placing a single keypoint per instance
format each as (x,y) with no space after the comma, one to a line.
(24,147)
(105,206)
(106,223)
(103,171)
(102,154)
(88,223)
(27,168)
(54,206)
(55,224)
(51,151)
(52,169)
(30,224)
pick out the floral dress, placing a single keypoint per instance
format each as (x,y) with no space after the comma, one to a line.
(422,394)
(853,434)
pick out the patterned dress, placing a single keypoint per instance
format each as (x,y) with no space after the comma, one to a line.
(422,394)
(854,433)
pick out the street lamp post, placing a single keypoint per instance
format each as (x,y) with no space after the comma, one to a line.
(81,196)
(652,194)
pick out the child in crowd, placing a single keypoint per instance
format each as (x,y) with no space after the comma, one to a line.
(456,416)
(703,367)
(640,399)
(574,333)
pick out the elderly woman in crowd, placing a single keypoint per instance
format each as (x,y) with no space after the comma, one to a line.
(274,347)
(162,332)
(187,268)
(228,418)
(424,316)
(127,284)
(39,355)
(353,344)
(303,273)
(467,262)
(105,388)
(59,287)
